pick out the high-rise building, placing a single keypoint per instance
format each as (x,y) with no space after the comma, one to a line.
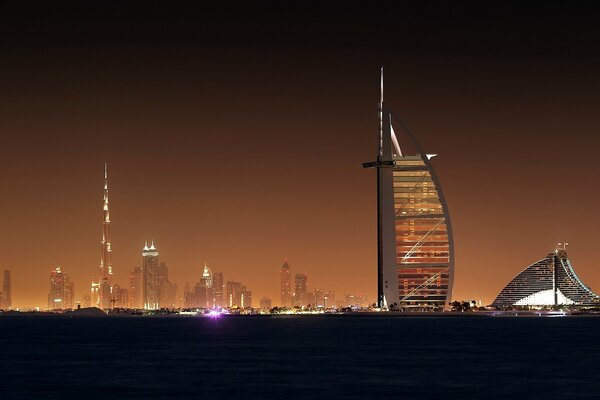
(319,298)
(168,290)
(136,288)
(286,285)
(204,289)
(309,299)
(188,296)
(69,296)
(163,278)
(199,295)
(60,294)
(6,300)
(415,251)
(168,295)
(300,290)
(329,299)
(106,272)
(95,295)
(150,274)
(265,303)
(245,297)
(218,290)
(234,295)
(120,297)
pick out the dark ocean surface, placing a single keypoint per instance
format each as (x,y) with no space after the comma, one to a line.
(305,357)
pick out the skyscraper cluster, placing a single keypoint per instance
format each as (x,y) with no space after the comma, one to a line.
(211,291)
(298,295)
(6,293)
(149,285)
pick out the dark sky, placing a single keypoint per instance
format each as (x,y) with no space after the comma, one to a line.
(236,136)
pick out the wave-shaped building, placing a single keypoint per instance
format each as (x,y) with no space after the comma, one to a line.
(549,281)
(414,235)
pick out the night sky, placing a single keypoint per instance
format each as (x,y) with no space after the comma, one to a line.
(236,136)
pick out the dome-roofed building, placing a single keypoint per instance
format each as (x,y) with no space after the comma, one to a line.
(549,281)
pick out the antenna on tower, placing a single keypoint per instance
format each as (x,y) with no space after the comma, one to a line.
(381,113)
(381,93)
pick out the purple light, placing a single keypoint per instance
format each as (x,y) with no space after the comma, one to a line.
(214,314)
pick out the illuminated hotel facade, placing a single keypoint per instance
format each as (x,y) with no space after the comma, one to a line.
(415,247)
(547,282)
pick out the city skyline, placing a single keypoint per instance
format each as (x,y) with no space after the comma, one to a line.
(240,141)
(226,201)
(149,271)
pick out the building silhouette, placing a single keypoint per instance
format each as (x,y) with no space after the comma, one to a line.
(319,298)
(62,291)
(415,248)
(69,297)
(265,303)
(547,282)
(329,299)
(204,289)
(95,295)
(309,299)
(6,294)
(136,288)
(120,297)
(167,289)
(188,296)
(245,297)
(286,285)
(218,289)
(150,277)
(238,295)
(234,296)
(300,290)
(201,295)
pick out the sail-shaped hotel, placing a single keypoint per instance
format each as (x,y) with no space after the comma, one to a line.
(415,247)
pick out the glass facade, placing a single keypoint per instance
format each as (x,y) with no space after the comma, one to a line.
(423,245)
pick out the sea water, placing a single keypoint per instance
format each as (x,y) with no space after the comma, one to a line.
(304,357)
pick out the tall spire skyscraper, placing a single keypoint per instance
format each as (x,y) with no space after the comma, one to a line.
(105,292)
